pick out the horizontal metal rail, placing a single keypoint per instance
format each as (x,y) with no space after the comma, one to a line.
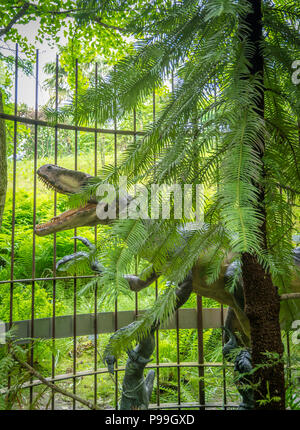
(42,123)
(50,278)
(105,323)
(192,405)
(103,370)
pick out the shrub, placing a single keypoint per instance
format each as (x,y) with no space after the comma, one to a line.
(22,301)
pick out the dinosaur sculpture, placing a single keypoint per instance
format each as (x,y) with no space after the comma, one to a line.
(137,389)
(67,181)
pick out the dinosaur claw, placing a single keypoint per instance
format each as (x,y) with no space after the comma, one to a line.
(85,241)
(70,257)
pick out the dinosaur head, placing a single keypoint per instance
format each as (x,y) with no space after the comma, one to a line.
(66,181)
(62,180)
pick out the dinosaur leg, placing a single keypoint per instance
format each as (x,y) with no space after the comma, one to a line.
(233,323)
(149,381)
(242,369)
(137,390)
(229,321)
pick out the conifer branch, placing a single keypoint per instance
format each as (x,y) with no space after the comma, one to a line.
(52,386)
(15,19)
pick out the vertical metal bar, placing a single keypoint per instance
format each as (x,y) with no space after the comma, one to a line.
(76,119)
(136,265)
(34,216)
(13,202)
(14,190)
(116,302)
(75,244)
(200,352)
(223,362)
(156,283)
(222,309)
(177,312)
(178,359)
(54,239)
(289,374)
(95,343)
(96,286)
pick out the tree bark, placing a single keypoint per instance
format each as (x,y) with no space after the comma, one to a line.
(262,306)
(3,163)
(262,301)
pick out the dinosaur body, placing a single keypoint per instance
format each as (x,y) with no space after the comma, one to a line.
(68,182)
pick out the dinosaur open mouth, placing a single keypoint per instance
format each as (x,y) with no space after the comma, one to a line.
(72,218)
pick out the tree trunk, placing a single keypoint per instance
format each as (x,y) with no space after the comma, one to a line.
(3,163)
(261,297)
(262,309)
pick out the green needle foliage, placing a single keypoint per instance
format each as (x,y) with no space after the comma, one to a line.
(209,132)
(126,337)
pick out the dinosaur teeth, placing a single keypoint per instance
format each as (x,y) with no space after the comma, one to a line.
(48,185)
(71,218)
